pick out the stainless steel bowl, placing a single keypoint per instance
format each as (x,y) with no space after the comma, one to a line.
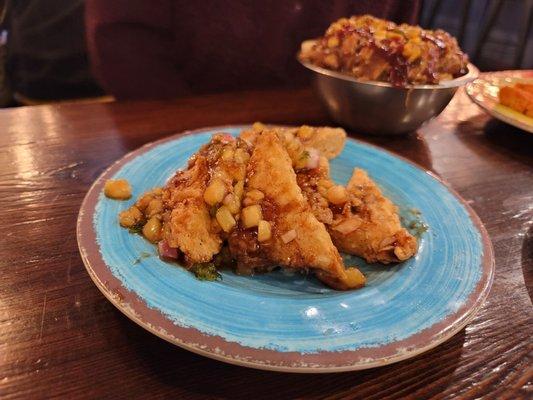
(380,108)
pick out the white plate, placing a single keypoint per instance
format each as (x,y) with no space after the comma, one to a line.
(484,92)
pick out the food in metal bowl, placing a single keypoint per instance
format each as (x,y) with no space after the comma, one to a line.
(374,49)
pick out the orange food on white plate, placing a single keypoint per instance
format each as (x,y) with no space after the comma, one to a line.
(519,97)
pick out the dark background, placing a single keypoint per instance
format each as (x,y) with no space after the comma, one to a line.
(45,57)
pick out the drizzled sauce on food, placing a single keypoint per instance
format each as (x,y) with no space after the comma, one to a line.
(373,49)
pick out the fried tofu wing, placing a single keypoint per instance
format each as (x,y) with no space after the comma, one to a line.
(329,142)
(204,199)
(370,226)
(359,218)
(297,239)
(188,225)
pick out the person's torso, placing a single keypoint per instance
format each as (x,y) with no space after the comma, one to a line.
(243,44)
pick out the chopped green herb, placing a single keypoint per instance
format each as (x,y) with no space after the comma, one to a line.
(305,155)
(417,228)
(143,255)
(413,222)
(137,228)
(206,272)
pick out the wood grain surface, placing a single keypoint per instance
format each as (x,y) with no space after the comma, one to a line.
(60,338)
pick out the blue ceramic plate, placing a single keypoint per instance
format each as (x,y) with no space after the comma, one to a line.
(289,322)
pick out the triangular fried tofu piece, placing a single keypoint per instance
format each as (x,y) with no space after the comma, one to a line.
(359,218)
(276,225)
(327,141)
(202,199)
(370,226)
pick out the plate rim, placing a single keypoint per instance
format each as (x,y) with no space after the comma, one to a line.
(494,112)
(218,348)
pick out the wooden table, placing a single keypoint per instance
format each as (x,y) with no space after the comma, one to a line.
(59,337)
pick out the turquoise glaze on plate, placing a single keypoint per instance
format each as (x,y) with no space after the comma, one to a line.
(295,314)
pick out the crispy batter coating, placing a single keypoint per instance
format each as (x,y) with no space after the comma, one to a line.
(377,234)
(187,225)
(329,142)
(298,239)
(190,223)
(366,224)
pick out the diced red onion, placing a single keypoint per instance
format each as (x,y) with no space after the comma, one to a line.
(166,251)
(227,138)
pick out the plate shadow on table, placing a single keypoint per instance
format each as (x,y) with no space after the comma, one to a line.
(184,372)
(496,136)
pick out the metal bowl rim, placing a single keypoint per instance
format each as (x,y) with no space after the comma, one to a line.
(472,74)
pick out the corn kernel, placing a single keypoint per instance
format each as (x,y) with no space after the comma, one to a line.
(411,51)
(394,35)
(331,61)
(225,219)
(232,203)
(238,174)
(130,217)
(215,192)
(152,230)
(333,41)
(238,189)
(241,156)
(304,132)
(325,183)
(119,189)
(323,191)
(264,231)
(154,207)
(227,153)
(337,195)
(401,253)
(255,195)
(144,200)
(258,126)
(251,216)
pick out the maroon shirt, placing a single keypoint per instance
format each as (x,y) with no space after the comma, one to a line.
(169,48)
